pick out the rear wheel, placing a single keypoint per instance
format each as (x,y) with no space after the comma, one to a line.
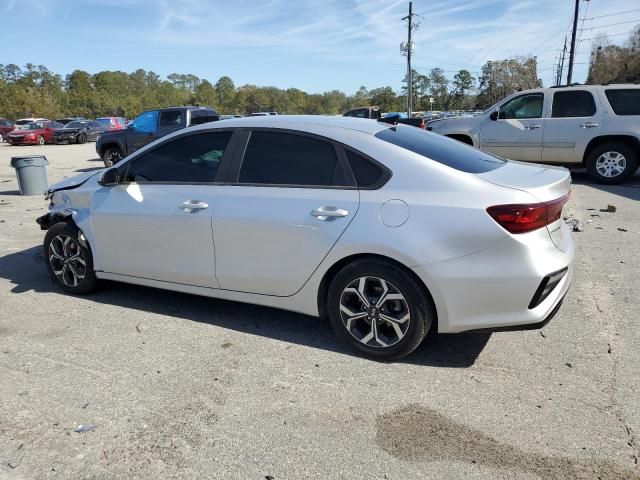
(69,259)
(379,309)
(612,163)
(111,156)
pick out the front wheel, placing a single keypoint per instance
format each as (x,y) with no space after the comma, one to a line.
(111,156)
(82,138)
(40,140)
(69,259)
(379,309)
(611,163)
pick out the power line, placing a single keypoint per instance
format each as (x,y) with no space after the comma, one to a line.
(607,35)
(611,24)
(613,14)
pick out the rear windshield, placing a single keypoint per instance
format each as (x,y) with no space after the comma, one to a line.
(624,101)
(447,151)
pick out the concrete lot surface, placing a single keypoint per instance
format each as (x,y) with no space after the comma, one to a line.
(179,386)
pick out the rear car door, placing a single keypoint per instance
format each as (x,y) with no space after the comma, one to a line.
(289,202)
(169,121)
(156,223)
(516,132)
(575,119)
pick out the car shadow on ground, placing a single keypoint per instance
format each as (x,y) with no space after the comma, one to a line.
(10,192)
(27,272)
(629,188)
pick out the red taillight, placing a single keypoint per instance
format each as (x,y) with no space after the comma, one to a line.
(527,217)
(421,123)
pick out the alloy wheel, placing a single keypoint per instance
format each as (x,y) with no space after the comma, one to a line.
(67,260)
(374,312)
(40,140)
(611,164)
(114,157)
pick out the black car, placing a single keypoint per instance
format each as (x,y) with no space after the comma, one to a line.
(79,131)
(114,145)
(64,121)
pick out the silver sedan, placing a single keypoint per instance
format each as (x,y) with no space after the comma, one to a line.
(389,231)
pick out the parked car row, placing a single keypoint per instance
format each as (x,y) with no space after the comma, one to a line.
(375,113)
(38,131)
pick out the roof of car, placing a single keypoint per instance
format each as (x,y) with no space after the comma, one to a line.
(291,121)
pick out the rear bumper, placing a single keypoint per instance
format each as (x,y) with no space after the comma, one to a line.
(493,289)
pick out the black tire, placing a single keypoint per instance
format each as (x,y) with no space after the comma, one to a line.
(82,138)
(597,166)
(111,156)
(415,303)
(40,140)
(64,259)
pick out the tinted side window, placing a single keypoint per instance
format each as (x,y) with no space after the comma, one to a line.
(364,170)
(361,113)
(575,103)
(447,151)
(171,118)
(188,159)
(524,106)
(202,116)
(287,159)
(624,101)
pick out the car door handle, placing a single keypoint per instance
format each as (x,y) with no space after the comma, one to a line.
(588,125)
(193,205)
(329,213)
(532,127)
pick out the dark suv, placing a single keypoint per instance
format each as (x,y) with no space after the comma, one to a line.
(113,146)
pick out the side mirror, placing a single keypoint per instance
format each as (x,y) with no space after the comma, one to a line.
(110,178)
(494,115)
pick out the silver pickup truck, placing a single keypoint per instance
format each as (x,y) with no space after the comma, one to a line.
(597,126)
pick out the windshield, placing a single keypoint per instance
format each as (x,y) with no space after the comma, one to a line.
(76,124)
(32,126)
(447,151)
(104,121)
(23,122)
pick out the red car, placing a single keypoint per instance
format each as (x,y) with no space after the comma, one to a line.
(35,133)
(112,123)
(5,127)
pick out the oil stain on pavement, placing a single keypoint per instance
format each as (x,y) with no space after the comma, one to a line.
(419,434)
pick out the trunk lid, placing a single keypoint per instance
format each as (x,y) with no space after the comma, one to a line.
(544,182)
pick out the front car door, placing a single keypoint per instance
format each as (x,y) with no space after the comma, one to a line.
(288,205)
(141,131)
(575,120)
(156,223)
(516,130)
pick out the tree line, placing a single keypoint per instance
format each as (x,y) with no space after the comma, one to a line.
(614,63)
(33,90)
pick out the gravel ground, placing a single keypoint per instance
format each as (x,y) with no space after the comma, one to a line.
(179,386)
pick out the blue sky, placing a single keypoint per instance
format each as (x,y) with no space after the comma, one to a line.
(313,45)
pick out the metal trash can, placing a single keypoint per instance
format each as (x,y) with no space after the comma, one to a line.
(31,173)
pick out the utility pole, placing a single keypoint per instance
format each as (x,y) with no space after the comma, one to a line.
(573,42)
(564,51)
(408,48)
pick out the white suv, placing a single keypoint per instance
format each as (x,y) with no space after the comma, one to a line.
(593,125)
